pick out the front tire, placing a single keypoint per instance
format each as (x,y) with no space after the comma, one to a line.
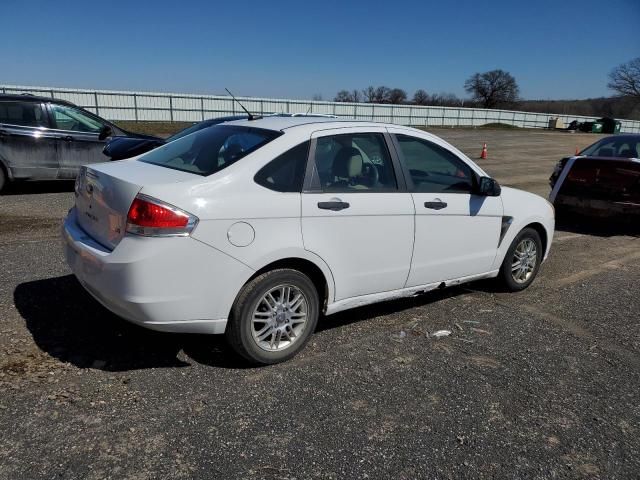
(522,261)
(273,316)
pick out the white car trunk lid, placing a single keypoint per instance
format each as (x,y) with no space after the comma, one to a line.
(104,193)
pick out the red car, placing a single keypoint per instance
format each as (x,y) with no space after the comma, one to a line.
(603,180)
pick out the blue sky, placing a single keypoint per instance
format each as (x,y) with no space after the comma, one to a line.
(295,49)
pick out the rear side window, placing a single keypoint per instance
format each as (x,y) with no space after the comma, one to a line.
(210,150)
(286,172)
(354,162)
(27,114)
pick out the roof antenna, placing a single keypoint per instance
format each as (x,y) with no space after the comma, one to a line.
(251,117)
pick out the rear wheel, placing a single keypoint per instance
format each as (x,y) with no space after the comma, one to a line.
(522,261)
(273,316)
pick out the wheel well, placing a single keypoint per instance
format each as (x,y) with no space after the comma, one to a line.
(538,227)
(304,266)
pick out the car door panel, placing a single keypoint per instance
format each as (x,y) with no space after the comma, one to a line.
(27,147)
(456,241)
(363,233)
(456,231)
(367,245)
(79,141)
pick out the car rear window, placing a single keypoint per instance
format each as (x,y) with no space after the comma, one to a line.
(210,150)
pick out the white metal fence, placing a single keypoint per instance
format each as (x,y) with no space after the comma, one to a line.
(170,107)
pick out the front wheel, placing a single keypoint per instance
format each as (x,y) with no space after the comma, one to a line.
(522,261)
(273,316)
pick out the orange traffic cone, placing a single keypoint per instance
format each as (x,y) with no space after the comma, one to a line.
(483,155)
(577,151)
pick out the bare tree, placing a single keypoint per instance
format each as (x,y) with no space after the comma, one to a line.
(397,96)
(445,100)
(382,95)
(421,97)
(493,89)
(369,94)
(343,96)
(317,97)
(625,79)
(355,95)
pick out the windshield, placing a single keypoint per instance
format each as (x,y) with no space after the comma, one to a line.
(622,147)
(211,149)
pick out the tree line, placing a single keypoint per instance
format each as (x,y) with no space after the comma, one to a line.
(499,89)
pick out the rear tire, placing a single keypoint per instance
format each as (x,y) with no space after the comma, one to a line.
(273,317)
(522,261)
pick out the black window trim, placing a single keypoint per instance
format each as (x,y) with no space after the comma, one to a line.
(475,179)
(45,115)
(311,182)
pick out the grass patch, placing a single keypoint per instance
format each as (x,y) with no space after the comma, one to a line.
(159,129)
(498,126)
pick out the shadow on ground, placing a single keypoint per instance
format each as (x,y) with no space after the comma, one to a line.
(68,324)
(27,188)
(599,227)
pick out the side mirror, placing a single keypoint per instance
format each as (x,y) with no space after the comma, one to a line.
(488,187)
(105,132)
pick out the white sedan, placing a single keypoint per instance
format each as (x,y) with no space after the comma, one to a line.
(255,228)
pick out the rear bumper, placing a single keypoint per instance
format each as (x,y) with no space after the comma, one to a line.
(173,284)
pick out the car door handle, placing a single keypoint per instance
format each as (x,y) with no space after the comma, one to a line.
(335,205)
(66,138)
(437,204)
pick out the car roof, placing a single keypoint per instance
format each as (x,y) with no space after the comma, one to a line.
(26,97)
(310,123)
(622,136)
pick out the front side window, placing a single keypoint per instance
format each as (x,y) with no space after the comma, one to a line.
(434,169)
(73,119)
(354,162)
(27,114)
(209,150)
(286,172)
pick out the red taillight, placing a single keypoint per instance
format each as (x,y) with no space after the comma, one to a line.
(151,217)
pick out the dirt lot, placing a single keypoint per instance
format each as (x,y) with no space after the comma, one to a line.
(540,384)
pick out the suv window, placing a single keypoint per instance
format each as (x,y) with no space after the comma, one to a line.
(434,169)
(354,162)
(28,114)
(69,118)
(209,150)
(286,172)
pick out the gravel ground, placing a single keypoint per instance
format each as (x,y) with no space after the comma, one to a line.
(540,384)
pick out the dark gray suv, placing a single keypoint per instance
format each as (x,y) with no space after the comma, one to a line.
(48,139)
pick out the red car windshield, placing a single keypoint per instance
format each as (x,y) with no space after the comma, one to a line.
(622,147)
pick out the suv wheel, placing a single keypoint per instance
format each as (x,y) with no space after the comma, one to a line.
(3,178)
(273,317)
(522,261)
